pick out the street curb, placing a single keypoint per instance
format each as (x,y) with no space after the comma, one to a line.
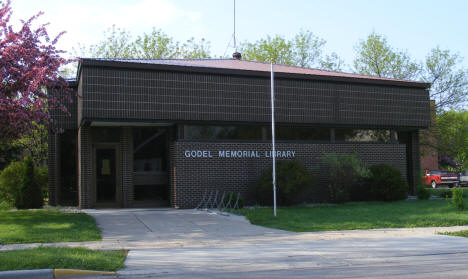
(30,274)
(79,272)
(50,273)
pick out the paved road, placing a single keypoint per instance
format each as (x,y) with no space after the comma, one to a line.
(192,244)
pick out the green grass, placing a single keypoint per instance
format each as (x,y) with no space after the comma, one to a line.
(442,192)
(62,257)
(458,233)
(41,226)
(371,215)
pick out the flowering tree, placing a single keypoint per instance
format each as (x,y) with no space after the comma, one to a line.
(30,85)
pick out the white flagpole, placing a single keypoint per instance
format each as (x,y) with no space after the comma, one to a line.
(273,136)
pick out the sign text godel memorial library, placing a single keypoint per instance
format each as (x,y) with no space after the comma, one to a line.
(238,154)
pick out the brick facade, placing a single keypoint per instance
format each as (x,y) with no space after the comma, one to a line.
(85,174)
(54,168)
(126,162)
(190,177)
(124,94)
(136,95)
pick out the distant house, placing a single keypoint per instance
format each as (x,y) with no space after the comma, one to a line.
(162,132)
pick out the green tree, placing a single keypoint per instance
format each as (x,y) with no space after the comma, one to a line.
(116,43)
(155,44)
(375,57)
(449,80)
(276,48)
(304,50)
(119,43)
(193,49)
(332,62)
(452,135)
(307,49)
(31,194)
(35,143)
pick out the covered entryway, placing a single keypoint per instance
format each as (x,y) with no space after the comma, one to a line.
(150,167)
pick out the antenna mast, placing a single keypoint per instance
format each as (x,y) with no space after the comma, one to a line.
(235,45)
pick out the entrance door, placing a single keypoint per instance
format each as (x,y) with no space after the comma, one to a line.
(106,182)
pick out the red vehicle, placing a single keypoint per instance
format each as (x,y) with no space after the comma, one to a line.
(435,178)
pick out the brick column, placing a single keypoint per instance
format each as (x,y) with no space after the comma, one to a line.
(126,165)
(414,161)
(53,163)
(85,181)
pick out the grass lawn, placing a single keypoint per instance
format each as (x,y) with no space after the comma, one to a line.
(458,233)
(371,215)
(62,257)
(443,192)
(40,226)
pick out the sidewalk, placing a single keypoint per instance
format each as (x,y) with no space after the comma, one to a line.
(139,229)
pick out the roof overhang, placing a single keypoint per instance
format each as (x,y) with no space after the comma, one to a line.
(89,62)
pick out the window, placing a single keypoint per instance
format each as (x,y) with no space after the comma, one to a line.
(149,149)
(205,132)
(356,135)
(105,134)
(302,133)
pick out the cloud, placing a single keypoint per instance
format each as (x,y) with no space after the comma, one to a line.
(85,20)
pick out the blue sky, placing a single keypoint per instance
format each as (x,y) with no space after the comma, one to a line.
(416,26)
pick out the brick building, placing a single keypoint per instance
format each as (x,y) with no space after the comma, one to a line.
(161,132)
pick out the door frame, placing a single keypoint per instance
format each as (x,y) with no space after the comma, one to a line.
(118,183)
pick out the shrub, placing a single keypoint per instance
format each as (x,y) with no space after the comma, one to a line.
(41,175)
(5,205)
(10,182)
(293,184)
(233,199)
(457,198)
(422,193)
(443,193)
(345,177)
(30,193)
(386,183)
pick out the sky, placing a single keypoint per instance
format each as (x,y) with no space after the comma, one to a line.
(412,25)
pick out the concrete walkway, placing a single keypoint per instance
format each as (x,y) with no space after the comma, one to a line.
(170,228)
(196,244)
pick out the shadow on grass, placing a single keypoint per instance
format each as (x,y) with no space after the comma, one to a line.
(41,226)
(62,257)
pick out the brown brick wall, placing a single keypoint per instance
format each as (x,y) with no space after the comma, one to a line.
(85,191)
(129,94)
(54,167)
(126,164)
(190,177)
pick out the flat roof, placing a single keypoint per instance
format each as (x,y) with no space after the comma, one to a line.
(243,67)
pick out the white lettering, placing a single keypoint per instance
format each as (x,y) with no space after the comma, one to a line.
(238,154)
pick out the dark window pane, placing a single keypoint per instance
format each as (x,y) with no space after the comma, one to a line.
(68,168)
(356,135)
(202,132)
(149,149)
(105,134)
(302,133)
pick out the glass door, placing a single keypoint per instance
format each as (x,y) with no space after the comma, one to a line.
(105,175)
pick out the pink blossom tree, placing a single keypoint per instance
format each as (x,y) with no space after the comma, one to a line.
(30,85)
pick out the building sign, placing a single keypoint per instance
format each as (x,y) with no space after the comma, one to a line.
(238,154)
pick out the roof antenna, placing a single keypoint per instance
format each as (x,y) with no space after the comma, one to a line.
(236,55)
